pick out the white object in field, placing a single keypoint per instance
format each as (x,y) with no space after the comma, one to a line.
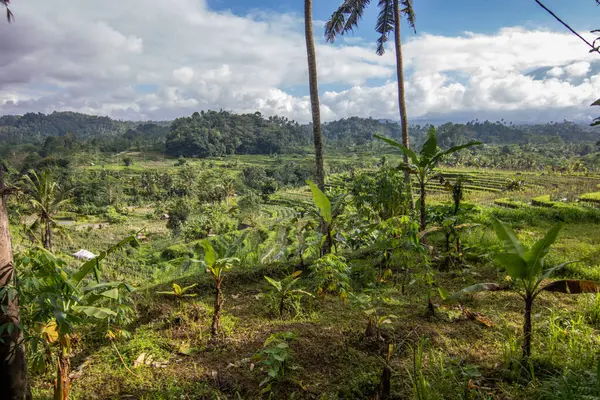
(84,255)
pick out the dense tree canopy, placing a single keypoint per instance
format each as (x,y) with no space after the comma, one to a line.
(219,133)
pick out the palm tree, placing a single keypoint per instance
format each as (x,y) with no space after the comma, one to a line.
(346,18)
(9,15)
(46,198)
(13,364)
(314,93)
(423,164)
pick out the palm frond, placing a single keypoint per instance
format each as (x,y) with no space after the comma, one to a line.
(357,8)
(335,25)
(385,24)
(409,12)
(9,15)
(345,18)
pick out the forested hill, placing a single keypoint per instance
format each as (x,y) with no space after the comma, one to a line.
(32,126)
(214,133)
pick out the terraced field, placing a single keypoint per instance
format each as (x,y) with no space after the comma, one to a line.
(505,188)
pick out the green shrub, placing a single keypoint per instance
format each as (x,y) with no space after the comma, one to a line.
(212,219)
(330,275)
(113,216)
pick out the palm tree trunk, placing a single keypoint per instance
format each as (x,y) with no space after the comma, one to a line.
(401,97)
(13,364)
(314,94)
(527,331)
(48,235)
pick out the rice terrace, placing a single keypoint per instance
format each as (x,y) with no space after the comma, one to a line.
(273,200)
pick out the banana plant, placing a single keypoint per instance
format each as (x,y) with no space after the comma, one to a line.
(423,165)
(328,212)
(60,302)
(216,267)
(285,292)
(526,266)
(181,292)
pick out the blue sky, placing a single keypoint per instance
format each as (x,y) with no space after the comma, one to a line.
(448,17)
(486,59)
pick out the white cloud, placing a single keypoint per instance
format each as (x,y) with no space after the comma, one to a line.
(578,69)
(94,57)
(556,72)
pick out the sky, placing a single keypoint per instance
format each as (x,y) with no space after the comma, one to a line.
(469,59)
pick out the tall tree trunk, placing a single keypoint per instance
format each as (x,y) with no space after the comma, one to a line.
(401,96)
(48,234)
(13,364)
(216,322)
(63,382)
(527,331)
(314,93)
(422,205)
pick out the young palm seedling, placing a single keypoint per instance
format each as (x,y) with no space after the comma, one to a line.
(423,165)
(328,212)
(180,293)
(525,266)
(216,267)
(285,296)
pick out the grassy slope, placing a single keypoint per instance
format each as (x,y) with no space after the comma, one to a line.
(332,357)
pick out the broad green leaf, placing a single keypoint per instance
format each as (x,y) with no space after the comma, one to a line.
(509,238)
(303,292)
(540,249)
(89,266)
(515,266)
(479,287)
(430,147)
(547,272)
(108,285)
(443,293)
(322,202)
(96,312)
(185,289)
(411,154)
(572,286)
(209,254)
(111,293)
(177,289)
(275,283)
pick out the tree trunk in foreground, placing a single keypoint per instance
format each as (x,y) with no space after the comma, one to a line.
(401,97)
(314,94)
(13,364)
(527,331)
(63,382)
(422,207)
(216,322)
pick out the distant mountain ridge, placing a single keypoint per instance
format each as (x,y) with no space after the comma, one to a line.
(35,127)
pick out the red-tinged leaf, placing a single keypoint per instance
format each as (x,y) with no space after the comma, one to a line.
(572,286)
